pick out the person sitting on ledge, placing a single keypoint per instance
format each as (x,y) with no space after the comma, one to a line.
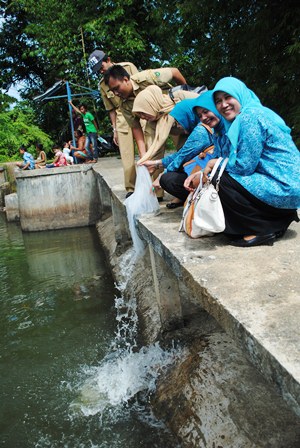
(59,159)
(42,158)
(79,152)
(29,163)
(66,151)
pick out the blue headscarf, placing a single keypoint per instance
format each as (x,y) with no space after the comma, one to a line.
(183,113)
(248,101)
(206,101)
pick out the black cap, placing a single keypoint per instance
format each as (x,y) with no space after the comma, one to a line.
(95,60)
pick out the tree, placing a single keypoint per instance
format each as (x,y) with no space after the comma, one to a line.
(256,41)
(18,127)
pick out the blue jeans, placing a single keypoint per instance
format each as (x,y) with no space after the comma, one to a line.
(91,138)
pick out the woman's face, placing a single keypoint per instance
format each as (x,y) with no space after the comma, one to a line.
(207,117)
(147,117)
(227,105)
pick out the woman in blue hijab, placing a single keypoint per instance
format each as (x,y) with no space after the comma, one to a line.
(184,115)
(260,189)
(178,165)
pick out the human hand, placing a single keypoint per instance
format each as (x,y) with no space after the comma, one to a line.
(155,185)
(151,165)
(115,138)
(192,181)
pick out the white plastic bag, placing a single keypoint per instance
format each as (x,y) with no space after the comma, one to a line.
(141,202)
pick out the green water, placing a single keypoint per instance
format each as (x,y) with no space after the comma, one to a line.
(57,324)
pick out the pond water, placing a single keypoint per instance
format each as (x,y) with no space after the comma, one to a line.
(71,373)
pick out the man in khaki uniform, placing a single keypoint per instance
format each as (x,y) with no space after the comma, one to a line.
(127,87)
(123,137)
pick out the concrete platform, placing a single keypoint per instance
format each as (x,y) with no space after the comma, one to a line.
(253,293)
(57,198)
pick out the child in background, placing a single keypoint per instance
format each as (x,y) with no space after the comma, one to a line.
(29,162)
(66,151)
(59,159)
(42,158)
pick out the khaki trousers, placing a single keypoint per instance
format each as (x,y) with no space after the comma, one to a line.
(149,134)
(126,146)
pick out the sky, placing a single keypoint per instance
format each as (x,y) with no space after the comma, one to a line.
(13,91)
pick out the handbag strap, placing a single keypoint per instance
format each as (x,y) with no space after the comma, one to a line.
(216,166)
(222,169)
(200,186)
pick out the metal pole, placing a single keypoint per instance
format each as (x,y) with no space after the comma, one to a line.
(70,111)
(87,71)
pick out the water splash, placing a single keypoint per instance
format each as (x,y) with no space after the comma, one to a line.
(120,377)
(126,372)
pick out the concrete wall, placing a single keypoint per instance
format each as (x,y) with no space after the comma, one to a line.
(235,310)
(57,198)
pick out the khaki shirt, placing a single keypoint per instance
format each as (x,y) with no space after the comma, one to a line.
(160,77)
(112,102)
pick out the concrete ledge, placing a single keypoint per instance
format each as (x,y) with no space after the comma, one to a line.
(252,293)
(57,198)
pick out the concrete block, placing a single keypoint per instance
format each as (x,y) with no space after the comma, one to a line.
(58,198)
(2,175)
(12,207)
(4,191)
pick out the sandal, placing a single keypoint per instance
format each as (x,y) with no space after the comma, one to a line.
(172,205)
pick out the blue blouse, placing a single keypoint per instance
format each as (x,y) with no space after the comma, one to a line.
(29,158)
(267,161)
(198,141)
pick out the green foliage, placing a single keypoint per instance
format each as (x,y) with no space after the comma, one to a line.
(256,41)
(18,127)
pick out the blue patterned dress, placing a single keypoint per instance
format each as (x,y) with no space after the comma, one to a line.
(267,161)
(260,189)
(198,141)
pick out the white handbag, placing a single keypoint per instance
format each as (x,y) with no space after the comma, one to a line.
(203,212)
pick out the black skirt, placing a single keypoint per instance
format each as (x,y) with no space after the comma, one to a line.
(172,182)
(247,215)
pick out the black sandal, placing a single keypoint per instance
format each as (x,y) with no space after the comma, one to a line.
(172,205)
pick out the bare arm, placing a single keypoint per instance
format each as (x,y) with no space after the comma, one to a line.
(80,143)
(113,120)
(75,108)
(96,125)
(177,77)
(140,141)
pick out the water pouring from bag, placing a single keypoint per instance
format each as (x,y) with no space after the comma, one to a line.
(141,202)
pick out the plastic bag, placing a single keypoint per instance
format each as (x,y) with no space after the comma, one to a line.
(141,202)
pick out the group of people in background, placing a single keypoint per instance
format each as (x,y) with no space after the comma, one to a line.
(62,157)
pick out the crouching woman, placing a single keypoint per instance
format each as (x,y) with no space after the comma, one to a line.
(260,189)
